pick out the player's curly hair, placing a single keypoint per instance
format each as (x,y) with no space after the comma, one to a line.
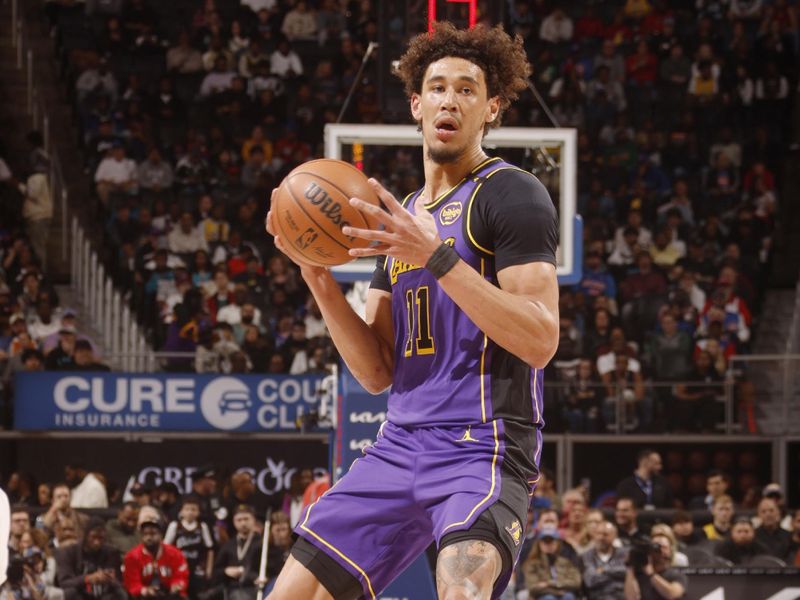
(501,58)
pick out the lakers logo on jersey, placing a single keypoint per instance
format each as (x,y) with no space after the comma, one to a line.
(515,531)
(450,213)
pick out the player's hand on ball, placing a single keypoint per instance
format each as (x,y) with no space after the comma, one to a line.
(407,237)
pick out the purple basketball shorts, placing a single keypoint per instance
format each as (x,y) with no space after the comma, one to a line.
(417,486)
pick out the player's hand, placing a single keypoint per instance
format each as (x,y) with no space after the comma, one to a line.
(406,237)
(269,225)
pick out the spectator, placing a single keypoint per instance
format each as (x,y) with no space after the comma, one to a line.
(218,80)
(612,60)
(722,513)
(116,174)
(87,489)
(576,533)
(695,404)
(84,358)
(603,565)
(121,531)
(183,58)
(770,533)
(280,543)
(204,486)
(154,568)
(20,523)
(293,499)
(300,23)
(646,487)
(556,27)
(96,80)
(285,62)
(670,351)
(60,511)
(549,576)
(186,238)
(90,569)
(717,484)
(685,533)
(241,490)
(741,546)
(794,547)
(597,281)
(238,560)
(155,176)
(625,519)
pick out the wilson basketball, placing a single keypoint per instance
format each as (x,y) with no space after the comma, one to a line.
(313,204)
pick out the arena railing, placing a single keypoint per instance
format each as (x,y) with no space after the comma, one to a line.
(122,337)
(28,60)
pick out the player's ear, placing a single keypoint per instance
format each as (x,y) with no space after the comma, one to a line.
(492,109)
(416,107)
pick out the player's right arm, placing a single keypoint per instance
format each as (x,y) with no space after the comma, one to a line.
(366,345)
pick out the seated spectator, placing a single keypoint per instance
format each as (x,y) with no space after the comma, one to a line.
(582,404)
(19,524)
(122,533)
(45,323)
(646,487)
(186,238)
(40,567)
(625,518)
(556,27)
(90,569)
(576,533)
(115,174)
(656,578)
(280,543)
(155,175)
(770,533)
(685,533)
(284,62)
(695,404)
(300,23)
(183,58)
(662,534)
(97,80)
(238,561)
(717,484)
(87,489)
(548,575)
(794,547)
(613,90)
(219,79)
(60,511)
(642,293)
(625,386)
(670,351)
(722,513)
(241,490)
(610,58)
(742,544)
(168,578)
(84,358)
(603,565)
(597,281)
(293,498)
(665,251)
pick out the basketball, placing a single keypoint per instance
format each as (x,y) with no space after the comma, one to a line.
(313,204)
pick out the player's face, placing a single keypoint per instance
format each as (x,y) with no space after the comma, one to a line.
(452,107)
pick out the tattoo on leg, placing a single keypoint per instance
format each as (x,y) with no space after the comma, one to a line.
(470,567)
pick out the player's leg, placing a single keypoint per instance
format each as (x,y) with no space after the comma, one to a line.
(296,581)
(467,570)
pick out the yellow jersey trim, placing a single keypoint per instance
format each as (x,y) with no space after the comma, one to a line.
(491,489)
(469,207)
(327,544)
(456,186)
(483,363)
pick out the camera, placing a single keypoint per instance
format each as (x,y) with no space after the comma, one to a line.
(16,570)
(640,553)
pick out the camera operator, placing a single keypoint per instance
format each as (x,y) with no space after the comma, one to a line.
(649,575)
(21,583)
(154,569)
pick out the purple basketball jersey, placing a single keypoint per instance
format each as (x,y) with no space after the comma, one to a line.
(446,370)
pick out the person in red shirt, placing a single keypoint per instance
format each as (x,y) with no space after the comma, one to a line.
(154,569)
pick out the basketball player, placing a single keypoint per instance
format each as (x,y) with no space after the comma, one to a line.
(461,317)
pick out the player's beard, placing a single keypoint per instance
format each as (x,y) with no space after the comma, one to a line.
(443,156)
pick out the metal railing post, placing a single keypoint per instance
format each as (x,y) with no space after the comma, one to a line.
(46,132)
(86,270)
(115,320)
(19,43)
(99,291)
(92,283)
(787,393)
(30,81)
(107,320)
(126,336)
(729,388)
(620,424)
(64,210)
(14,11)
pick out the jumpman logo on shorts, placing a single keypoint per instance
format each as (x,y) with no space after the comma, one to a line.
(468,436)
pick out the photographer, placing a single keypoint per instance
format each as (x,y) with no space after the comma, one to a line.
(154,569)
(22,583)
(649,575)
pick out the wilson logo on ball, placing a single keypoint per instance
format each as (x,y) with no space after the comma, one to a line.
(320,198)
